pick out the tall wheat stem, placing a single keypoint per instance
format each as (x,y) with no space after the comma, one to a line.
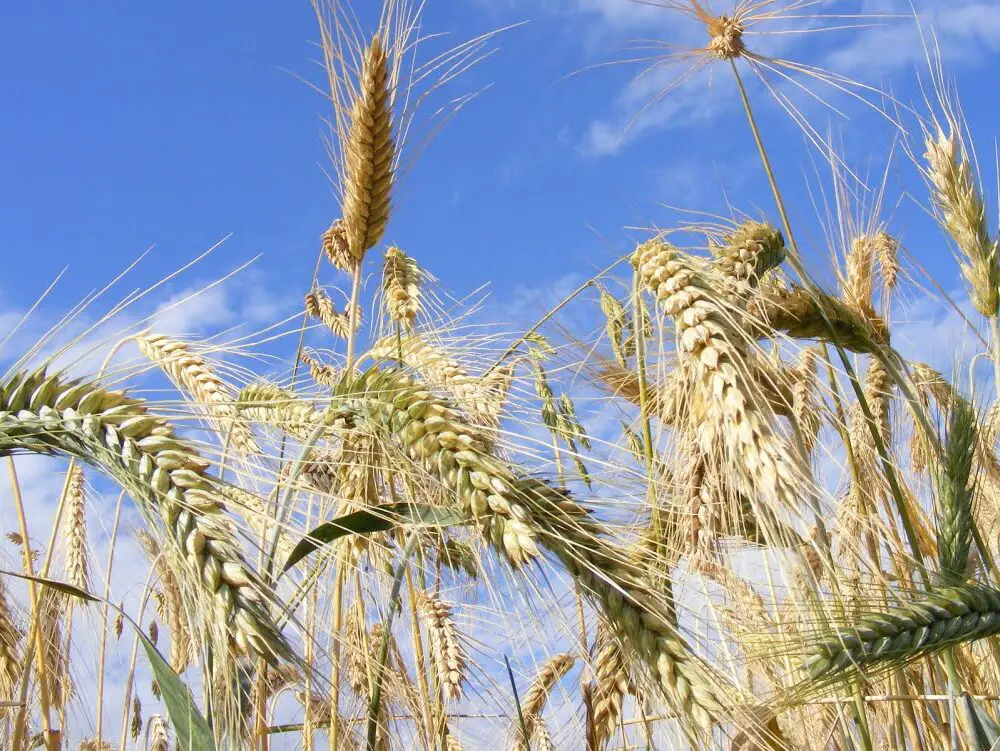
(99,720)
(35,633)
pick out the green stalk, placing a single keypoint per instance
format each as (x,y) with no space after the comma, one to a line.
(383,652)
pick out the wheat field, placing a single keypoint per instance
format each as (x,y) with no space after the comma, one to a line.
(705,500)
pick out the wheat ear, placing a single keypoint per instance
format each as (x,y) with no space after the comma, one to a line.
(171,605)
(369,154)
(954,540)
(747,254)
(10,638)
(516,513)
(963,214)
(164,474)
(191,373)
(607,692)
(533,702)
(952,615)
(708,340)
(77,560)
(446,649)
(319,305)
(401,279)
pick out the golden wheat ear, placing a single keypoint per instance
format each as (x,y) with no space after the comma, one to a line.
(51,414)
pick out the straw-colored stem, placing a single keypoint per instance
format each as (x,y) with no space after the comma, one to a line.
(35,632)
(338,625)
(99,719)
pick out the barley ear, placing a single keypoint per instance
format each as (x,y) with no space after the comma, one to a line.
(369,155)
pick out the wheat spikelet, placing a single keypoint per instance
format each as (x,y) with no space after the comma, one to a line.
(616,321)
(164,474)
(192,374)
(607,691)
(747,254)
(446,649)
(319,305)
(335,246)
(541,740)
(963,214)
(136,724)
(171,604)
(401,278)
(157,734)
(322,373)
(515,513)
(859,279)
(451,742)
(368,155)
(357,656)
(77,564)
(10,638)
(952,615)
(886,249)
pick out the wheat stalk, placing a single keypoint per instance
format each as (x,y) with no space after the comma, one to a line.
(49,414)
(369,153)
(191,373)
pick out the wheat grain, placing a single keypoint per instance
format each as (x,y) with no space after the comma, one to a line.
(369,154)
(446,649)
(48,414)
(192,374)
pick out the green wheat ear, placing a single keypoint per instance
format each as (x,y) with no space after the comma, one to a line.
(949,616)
(955,496)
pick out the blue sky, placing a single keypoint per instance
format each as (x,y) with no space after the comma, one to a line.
(174,125)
